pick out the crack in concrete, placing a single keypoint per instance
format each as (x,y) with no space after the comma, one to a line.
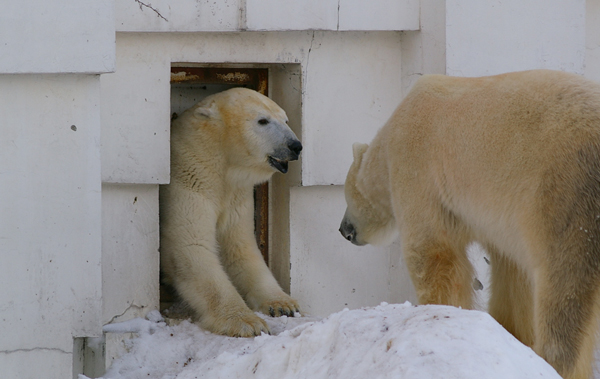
(152,8)
(243,18)
(338,15)
(7,352)
(132,305)
(308,59)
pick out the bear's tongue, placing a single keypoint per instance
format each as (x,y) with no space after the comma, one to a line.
(282,166)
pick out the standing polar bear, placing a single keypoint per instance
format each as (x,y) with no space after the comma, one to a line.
(220,149)
(511,161)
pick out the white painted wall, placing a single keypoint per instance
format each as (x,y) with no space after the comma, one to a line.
(328,273)
(135,117)
(130,237)
(337,97)
(332,15)
(378,15)
(345,103)
(496,36)
(183,16)
(50,232)
(50,225)
(424,51)
(266,15)
(70,36)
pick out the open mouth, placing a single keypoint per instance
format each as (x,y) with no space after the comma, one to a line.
(280,165)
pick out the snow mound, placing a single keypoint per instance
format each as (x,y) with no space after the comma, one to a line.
(387,341)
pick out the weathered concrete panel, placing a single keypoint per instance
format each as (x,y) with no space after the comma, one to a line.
(179,16)
(135,115)
(71,36)
(328,273)
(378,15)
(36,364)
(342,103)
(265,15)
(130,260)
(273,15)
(50,225)
(492,37)
(346,102)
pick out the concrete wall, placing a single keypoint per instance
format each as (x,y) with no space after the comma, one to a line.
(368,90)
(50,230)
(266,15)
(328,273)
(496,36)
(70,36)
(50,226)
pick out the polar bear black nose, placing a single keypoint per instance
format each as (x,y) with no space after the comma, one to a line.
(295,146)
(348,231)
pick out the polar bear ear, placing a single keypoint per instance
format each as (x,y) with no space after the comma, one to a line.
(358,149)
(208,110)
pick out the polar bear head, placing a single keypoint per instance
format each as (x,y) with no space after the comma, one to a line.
(368,218)
(251,129)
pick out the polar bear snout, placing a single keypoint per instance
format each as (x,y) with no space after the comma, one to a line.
(348,231)
(280,158)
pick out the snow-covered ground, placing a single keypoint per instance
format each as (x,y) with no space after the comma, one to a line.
(387,341)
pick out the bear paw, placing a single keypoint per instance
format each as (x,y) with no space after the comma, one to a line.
(238,324)
(281,306)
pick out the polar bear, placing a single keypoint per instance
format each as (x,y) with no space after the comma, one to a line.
(511,161)
(220,149)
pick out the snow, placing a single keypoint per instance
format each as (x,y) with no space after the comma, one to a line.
(387,341)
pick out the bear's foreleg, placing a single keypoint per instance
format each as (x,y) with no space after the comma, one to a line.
(202,283)
(190,261)
(440,271)
(245,265)
(511,297)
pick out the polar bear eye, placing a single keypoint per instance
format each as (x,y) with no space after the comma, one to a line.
(263,121)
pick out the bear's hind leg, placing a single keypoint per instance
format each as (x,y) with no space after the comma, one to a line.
(511,297)
(440,270)
(566,320)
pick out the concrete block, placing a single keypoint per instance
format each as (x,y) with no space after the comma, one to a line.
(50,229)
(135,115)
(72,36)
(492,37)
(130,259)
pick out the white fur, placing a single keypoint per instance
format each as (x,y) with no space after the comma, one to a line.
(512,162)
(208,250)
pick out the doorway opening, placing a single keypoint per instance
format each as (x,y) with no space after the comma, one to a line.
(190,83)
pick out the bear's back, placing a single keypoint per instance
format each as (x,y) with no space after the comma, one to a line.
(524,115)
(474,142)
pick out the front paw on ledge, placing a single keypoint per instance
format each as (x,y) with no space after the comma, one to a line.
(241,324)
